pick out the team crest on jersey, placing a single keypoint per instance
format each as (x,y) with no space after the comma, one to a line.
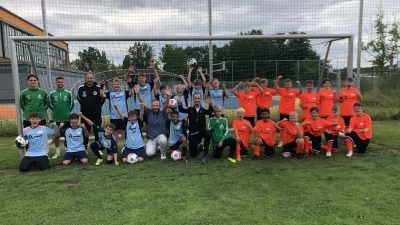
(39,96)
(28,97)
(221,126)
(56,98)
(94,92)
(84,94)
(65,99)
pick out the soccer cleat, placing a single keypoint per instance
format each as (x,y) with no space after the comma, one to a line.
(256,157)
(99,161)
(328,154)
(267,156)
(163,155)
(299,156)
(55,156)
(101,153)
(184,159)
(280,144)
(232,160)
(243,156)
(206,159)
(349,154)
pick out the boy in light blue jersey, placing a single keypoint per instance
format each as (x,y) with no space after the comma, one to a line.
(145,87)
(177,134)
(118,97)
(106,141)
(38,148)
(162,96)
(217,95)
(183,92)
(198,85)
(74,147)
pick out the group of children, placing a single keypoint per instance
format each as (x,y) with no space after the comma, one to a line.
(320,115)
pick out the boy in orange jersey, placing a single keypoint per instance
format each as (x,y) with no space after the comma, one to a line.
(293,135)
(243,130)
(347,97)
(264,99)
(287,103)
(359,131)
(326,99)
(247,99)
(332,133)
(308,100)
(264,135)
(313,128)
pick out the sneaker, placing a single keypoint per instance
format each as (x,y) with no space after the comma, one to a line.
(163,155)
(101,153)
(55,156)
(99,161)
(299,155)
(256,157)
(122,150)
(232,160)
(206,159)
(200,148)
(280,144)
(184,159)
(267,156)
(349,154)
(243,156)
(328,154)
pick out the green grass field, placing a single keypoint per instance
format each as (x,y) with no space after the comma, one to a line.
(363,189)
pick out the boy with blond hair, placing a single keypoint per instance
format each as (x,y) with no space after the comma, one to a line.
(293,135)
(264,99)
(243,130)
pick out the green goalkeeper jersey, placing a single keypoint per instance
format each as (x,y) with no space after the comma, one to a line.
(61,102)
(219,130)
(34,100)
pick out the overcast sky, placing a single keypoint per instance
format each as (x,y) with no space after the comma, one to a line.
(173,17)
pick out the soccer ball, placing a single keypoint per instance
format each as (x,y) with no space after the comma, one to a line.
(191,62)
(132,158)
(176,155)
(21,142)
(172,103)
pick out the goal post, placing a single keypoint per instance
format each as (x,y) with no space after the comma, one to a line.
(14,40)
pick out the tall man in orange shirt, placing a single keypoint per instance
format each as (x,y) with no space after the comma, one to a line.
(243,130)
(287,102)
(247,99)
(326,99)
(264,99)
(308,100)
(264,135)
(347,97)
(359,131)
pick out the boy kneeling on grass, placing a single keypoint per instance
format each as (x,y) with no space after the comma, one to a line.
(243,130)
(293,136)
(106,141)
(74,147)
(264,134)
(219,129)
(177,133)
(359,131)
(38,149)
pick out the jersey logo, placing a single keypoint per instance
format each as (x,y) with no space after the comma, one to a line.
(65,99)
(39,96)
(56,98)
(267,128)
(221,126)
(84,94)
(290,93)
(94,92)
(28,97)
(313,98)
(361,123)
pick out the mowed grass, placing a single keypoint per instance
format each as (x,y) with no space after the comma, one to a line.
(363,189)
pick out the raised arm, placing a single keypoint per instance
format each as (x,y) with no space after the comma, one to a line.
(299,85)
(234,90)
(276,82)
(85,130)
(180,107)
(142,108)
(153,67)
(189,77)
(184,81)
(86,119)
(166,103)
(299,133)
(131,69)
(260,89)
(226,94)
(102,94)
(120,113)
(137,92)
(203,78)
(58,131)
(155,87)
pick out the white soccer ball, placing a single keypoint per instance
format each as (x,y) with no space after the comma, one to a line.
(176,155)
(132,158)
(21,142)
(191,62)
(172,103)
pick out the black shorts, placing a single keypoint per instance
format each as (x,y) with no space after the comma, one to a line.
(288,148)
(119,124)
(361,144)
(316,141)
(250,119)
(175,146)
(27,162)
(346,120)
(27,123)
(283,116)
(268,149)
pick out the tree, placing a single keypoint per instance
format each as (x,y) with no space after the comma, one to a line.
(385,45)
(175,57)
(139,54)
(88,57)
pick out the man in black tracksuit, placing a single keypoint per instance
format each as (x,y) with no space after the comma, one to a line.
(197,125)
(91,102)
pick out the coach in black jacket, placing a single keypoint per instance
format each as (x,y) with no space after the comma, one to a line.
(91,102)
(197,125)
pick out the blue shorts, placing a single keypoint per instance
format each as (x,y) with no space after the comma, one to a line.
(139,152)
(119,124)
(72,155)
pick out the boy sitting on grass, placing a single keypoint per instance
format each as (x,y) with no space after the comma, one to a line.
(264,134)
(243,130)
(293,136)
(332,133)
(74,146)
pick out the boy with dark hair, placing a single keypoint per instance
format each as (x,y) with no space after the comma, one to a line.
(74,147)
(293,135)
(219,129)
(199,86)
(162,96)
(38,149)
(33,99)
(264,135)
(359,131)
(308,100)
(326,99)
(177,134)
(332,133)
(106,141)
(247,99)
(287,102)
(264,99)
(182,92)
(348,96)
(243,130)
(61,103)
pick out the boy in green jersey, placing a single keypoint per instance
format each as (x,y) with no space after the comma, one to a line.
(219,129)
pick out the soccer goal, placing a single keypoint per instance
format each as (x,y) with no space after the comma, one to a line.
(230,59)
